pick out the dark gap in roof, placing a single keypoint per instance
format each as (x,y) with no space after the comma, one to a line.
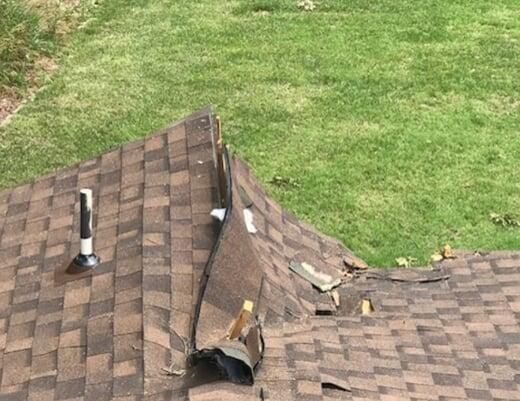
(334,386)
(324,312)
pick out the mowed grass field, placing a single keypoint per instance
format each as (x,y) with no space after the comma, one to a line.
(391,124)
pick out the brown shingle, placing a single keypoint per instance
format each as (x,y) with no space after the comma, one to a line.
(16,367)
(99,368)
(44,365)
(71,363)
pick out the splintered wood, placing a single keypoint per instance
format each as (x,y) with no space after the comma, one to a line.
(367,307)
(241,321)
(220,165)
(335,297)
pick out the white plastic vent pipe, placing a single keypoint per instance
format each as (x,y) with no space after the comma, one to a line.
(86,221)
(86,259)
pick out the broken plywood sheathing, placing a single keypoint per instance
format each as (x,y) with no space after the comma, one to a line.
(220,162)
(354,263)
(238,324)
(335,297)
(323,281)
(366,306)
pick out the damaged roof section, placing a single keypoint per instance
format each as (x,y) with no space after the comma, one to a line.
(254,264)
(124,331)
(250,263)
(187,306)
(451,333)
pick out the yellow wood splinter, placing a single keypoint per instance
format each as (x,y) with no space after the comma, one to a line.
(241,320)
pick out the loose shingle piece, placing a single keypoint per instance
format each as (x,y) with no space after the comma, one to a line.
(173,279)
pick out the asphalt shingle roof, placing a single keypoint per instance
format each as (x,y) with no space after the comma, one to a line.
(172,276)
(107,335)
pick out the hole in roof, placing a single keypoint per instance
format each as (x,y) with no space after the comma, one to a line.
(334,387)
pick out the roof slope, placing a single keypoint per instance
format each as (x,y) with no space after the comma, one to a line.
(108,335)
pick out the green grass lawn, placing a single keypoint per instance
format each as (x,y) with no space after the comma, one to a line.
(22,40)
(396,122)
(29,31)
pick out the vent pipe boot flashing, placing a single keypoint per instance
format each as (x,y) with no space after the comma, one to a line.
(86,259)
